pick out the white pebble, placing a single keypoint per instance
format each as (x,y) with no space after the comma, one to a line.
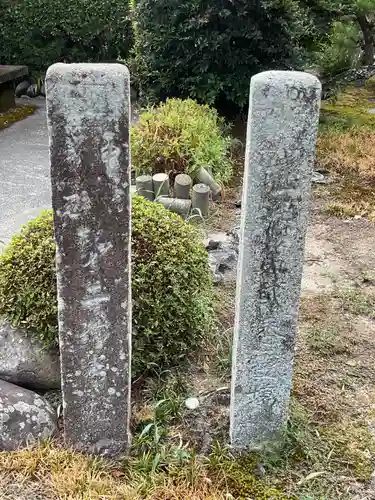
(192,403)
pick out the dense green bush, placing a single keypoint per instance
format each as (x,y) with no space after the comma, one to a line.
(209,50)
(39,33)
(28,279)
(171,284)
(181,136)
(340,52)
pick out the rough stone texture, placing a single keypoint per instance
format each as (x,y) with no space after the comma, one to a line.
(24,361)
(145,187)
(161,184)
(88,119)
(205,177)
(25,417)
(182,186)
(200,199)
(282,127)
(176,205)
(25,186)
(222,251)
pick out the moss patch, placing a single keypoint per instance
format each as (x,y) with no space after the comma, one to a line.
(241,482)
(350,108)
(14,115)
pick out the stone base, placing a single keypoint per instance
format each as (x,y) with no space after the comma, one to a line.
(26,417)
(6,96)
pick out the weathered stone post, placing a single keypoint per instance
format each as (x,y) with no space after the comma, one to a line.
(161,184)
(182,186)
(88,108)
(200,200)
(281,137)
(145,187)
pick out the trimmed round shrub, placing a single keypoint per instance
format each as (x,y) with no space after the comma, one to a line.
(39,33)
(171,284)
(28,279)
(209,50)
(181,136)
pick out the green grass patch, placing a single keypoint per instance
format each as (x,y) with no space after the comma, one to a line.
(14,115)
(356,302)
(325,340)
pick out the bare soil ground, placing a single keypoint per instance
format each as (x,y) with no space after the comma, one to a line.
(334,370)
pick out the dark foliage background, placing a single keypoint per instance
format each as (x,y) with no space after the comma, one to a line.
(39,33)
(209,50)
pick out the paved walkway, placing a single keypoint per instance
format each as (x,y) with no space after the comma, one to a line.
(24,172)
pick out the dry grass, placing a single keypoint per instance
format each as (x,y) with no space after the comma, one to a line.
(327,451)
(53,472)
(345,148)
(333,382)
(350,152)
(50,472)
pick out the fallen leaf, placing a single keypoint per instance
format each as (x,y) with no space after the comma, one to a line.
(117,473)
(312,475)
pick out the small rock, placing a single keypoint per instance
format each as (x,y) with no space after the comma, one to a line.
(217,278)
(25,417)
(223,259)
(236,146)
(318,178)
(351,362)
(235,234)
(24,361)
(212,245)
(260,471)
(223,255)
(238,203)
(32,91)
(218,238)
(21,88)
(192,403)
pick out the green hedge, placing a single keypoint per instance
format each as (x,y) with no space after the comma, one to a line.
(39,33)
(171,284)
(208,50)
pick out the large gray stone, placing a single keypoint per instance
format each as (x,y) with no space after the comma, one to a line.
(24,361)
(281,137)
(88,107)
(25,417)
